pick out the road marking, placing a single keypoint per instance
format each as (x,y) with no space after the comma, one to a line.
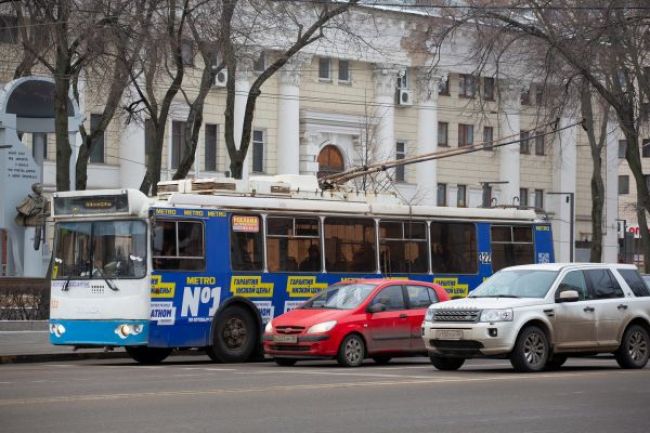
(288,388)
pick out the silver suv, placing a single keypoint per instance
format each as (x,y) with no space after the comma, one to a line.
(538,315)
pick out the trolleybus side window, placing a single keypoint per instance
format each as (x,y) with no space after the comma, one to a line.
(293,244)
(246,243)
(511,245)
(403,247)
(178,245)
(350,245)
(453,248)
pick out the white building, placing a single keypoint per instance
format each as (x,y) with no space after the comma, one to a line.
(334,103)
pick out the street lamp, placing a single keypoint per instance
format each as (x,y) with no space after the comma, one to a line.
(569,199)
(622,255)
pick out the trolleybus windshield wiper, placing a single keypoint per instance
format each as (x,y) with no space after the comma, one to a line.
(108,282)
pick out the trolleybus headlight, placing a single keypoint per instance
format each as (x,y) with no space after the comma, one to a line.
(319,328)
(268,329)
(124,330)
(57,329)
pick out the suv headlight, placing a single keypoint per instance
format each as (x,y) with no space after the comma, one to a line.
(319,328)
(504,315)
(429,315)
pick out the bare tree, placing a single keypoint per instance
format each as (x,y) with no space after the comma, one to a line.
(161,61)
(605,45)
(305,34)
(69,27)
(121,43)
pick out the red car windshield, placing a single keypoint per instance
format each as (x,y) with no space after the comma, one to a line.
(340,297)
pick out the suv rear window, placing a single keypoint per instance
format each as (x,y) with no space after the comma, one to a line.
(634,280)
(602,284)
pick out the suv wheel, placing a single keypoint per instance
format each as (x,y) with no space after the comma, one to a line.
(531,350)
(634,350)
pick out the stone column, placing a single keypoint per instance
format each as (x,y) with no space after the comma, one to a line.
(509,167)
(288,138)
(383,142)
(426,172)
(564,180)
(610,235)
(242,87)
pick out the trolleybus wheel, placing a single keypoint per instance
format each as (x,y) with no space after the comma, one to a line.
(234,337)
(148,355)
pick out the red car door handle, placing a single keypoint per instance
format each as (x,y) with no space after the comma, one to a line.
(403,316)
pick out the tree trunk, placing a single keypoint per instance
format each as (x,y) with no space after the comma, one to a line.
(63,150)
(81,168)
(597,184)
(194,123)
(154,163)
(633,158)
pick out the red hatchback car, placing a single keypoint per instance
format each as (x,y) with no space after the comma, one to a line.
(352,320)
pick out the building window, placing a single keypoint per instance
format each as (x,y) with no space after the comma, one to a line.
(260,63)
(258,151)
(623,185)
(97,145)
(324,68)
(39,146)
(622,147)
(178,143)
(400,153)
(330,161)
(647,181)
(466,86)
(443,134)
(539,95)
(645,148)
(539,143)
(461,196)
(187,52)
(525,97)
(524,142)
(344,71)
(488,136)
(149,133)
(465,135)
(211,134)
(523,197)
(488,88)
(8,29)
(443,86)
(539,199)
(441,194)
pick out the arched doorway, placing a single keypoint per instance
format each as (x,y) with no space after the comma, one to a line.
(330,161)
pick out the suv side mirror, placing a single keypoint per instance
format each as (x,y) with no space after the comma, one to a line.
(568,295)
(376,308)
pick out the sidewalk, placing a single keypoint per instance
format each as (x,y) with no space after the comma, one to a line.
(27,341)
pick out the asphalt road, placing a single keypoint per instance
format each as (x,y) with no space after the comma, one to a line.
(193,395)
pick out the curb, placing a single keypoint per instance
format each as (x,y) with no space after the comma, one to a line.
(49,357)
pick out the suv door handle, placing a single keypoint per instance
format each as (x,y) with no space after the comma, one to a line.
(403,316)
(622,307)
(589,309)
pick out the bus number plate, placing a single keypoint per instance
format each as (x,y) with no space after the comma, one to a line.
(449,334)
(281,338)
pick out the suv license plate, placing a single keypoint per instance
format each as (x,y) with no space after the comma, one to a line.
(449,334)
(282,338)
